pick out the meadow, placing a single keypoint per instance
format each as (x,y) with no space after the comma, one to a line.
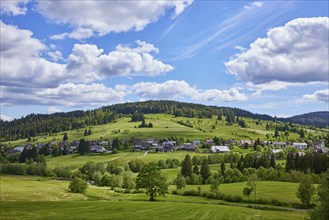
(26,197)
(165,126)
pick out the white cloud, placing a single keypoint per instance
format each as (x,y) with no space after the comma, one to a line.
(254,5)
(174,89)
(294,53)
(14,7)
(90,18)
(5,118)
(53,109)
(22,62)
(68,94)
(124,61)
(55,55)
(318,96)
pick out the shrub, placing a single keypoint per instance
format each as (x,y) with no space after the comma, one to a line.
(78,185)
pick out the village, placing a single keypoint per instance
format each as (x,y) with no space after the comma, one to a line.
(166,145)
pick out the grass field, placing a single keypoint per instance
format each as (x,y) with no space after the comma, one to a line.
(75,160)
(26,197)
(281,191)
(166,126)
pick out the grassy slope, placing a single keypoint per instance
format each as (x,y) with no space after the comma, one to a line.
(28,198)
(167,126)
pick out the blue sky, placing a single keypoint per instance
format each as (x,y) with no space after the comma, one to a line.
(268,57)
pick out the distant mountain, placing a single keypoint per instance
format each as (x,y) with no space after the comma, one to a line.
(318,119)
(42,124)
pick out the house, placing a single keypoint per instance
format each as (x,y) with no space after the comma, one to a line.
(97,149)
(209,142)
(280,144)
(220,149)
(188,147)
(229,142)
(301,154)
(275,151)
(104,143)
(246,143)
(19,149)
(151,140)
(196,142)
(299,146)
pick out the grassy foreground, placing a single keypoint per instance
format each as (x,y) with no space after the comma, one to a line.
(134,210)
(26,197)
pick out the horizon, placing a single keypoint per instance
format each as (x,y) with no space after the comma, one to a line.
(266,57)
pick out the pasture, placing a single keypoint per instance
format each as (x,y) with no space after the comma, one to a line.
(25,197)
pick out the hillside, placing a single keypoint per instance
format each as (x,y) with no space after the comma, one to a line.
(42,124)
(318,119)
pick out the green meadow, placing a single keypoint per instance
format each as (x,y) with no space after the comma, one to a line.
(25,197)
(165,126)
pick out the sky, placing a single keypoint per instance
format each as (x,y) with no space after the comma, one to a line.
(268,57)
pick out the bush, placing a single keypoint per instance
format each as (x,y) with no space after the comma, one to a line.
(191,192)
(78,185)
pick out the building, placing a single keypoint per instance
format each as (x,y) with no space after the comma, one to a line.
(220,149)
(299,146)
(280,144)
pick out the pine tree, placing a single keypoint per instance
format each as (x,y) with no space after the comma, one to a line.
(222,168)
(89,131)
(196,169)
(205,171)
(86,132)
(65,137)
(187,166)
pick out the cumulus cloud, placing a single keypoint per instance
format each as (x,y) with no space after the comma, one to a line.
(23,63)
(53,109)
(68,94)
(14,7)
(90,18)
(5,118)
(174,89)
(318,96)
(294,53)
(123,61)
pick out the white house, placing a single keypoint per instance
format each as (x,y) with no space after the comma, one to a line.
(275,151)
(19,149)
(220,149)
(300,146)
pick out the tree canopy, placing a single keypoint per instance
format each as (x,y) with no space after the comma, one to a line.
(152,180)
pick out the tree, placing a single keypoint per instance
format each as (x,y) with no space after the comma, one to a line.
(180,182)
(78,185)
(252,182)
(302,133)
(85,133)
(247,191)
(205,171)
(152,180)
(321,211)
(276,133)
(89,131)
(214,186)
(187,166)
(305,192)
(83,147)
(222,168)
(65,137)
(196,169)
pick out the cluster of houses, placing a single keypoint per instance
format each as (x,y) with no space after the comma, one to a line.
(153,145)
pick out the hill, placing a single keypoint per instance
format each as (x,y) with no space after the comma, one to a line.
(44,124)
(317,119)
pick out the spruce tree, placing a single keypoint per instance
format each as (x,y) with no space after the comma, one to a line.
(65,137)
(205,171)
(187,166)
